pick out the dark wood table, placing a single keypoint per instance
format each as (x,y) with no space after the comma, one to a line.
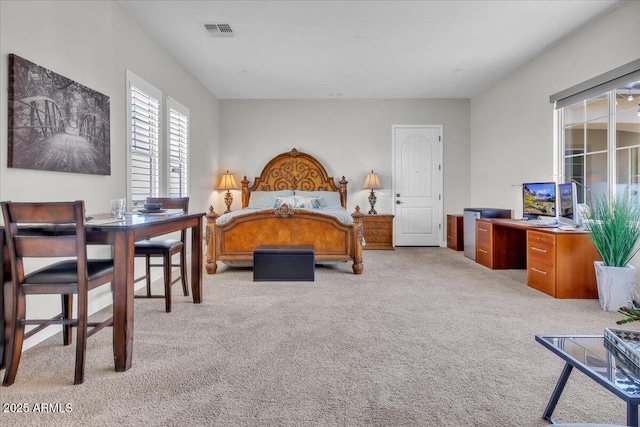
(122,235)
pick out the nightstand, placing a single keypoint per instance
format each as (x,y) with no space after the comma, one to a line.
(378,231)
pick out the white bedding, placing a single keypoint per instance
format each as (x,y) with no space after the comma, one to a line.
(338,212)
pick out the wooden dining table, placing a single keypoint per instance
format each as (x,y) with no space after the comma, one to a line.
(122,234)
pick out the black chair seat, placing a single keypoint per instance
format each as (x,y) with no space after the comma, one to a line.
(66,272)
(157,246)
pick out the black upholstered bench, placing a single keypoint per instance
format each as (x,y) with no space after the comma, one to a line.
(283,263)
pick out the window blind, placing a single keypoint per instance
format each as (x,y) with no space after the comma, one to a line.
(145,136)
(178,151)
(610,80)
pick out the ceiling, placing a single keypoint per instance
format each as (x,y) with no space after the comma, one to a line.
(359,49)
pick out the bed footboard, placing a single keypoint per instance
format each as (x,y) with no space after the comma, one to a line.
(332,240)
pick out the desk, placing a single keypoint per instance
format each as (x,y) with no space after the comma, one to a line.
(559,263)
(122,235)
(589,355)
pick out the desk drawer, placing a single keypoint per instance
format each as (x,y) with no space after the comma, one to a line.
(541,247)
(541,252)
(542,277)
(483,233)
(483,256)
(543,238)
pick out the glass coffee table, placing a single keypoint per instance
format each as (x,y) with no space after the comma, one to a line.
(600,362)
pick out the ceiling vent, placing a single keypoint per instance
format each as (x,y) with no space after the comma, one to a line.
(219,30)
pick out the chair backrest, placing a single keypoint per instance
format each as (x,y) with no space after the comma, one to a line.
(66,238)
(173,203)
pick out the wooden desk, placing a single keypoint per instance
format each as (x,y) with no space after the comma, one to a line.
(122,235)
(559,263)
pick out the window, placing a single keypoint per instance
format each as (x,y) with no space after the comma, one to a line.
(599,134)
(178,123)
(158,161)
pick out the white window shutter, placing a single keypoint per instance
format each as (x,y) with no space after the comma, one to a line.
(145,144)
(178,152)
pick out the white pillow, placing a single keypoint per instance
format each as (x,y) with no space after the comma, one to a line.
(298,202)
(266,199)
(285,200)
(328,199)
(307,202)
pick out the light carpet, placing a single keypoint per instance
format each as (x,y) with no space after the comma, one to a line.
(424,337)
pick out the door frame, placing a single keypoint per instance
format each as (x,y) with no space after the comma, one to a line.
(443,241)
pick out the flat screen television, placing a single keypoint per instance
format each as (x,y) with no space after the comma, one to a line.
(568,200)
(539,200)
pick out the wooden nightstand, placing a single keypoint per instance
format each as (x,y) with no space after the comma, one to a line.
(378,231)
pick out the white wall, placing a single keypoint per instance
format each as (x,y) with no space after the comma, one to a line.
(350,137)
(512,122)
(94,43)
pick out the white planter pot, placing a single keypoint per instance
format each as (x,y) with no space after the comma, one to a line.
(615,285)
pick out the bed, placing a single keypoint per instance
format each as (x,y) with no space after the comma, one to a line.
(277,212)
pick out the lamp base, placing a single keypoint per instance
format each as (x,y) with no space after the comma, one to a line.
(228,200)
(372,201)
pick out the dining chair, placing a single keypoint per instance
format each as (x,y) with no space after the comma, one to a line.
(51,230)
(165,248)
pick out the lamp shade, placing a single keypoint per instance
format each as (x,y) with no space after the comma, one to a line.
(228,182)
(372,182)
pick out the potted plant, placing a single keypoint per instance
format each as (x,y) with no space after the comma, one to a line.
(614,228)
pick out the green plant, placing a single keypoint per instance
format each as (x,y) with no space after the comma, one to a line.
(614,228)
(632,315)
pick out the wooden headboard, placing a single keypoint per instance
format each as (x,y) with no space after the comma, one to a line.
(294,170)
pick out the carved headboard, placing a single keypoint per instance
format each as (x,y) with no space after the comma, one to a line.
(294,170)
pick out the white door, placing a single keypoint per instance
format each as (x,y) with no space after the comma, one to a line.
(418,185)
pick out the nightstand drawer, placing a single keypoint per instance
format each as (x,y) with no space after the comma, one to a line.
(381,224)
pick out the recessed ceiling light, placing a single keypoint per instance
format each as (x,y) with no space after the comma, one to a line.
(335,94)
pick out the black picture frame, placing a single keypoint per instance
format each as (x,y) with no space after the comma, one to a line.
(55,123)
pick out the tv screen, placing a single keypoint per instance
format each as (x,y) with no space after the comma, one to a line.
(539,199)
(567,194)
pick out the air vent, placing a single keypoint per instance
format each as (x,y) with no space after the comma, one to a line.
(219,30)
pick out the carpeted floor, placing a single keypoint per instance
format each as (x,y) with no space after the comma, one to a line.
(424,337)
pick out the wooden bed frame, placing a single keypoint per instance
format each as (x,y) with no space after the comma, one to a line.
(294,170)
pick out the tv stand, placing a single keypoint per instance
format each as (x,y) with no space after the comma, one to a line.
(558,262)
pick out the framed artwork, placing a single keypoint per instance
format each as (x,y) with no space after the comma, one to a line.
(55,123)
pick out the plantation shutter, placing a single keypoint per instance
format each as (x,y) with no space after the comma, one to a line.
(178,136)
(145,138)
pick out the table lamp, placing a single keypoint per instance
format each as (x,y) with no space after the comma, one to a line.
(228,182)
(372,182)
